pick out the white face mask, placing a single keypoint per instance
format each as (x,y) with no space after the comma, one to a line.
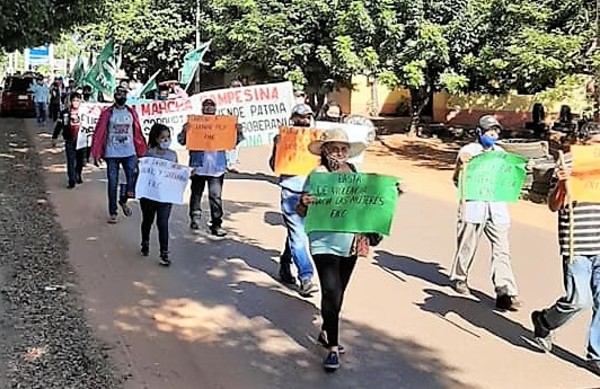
(165,144)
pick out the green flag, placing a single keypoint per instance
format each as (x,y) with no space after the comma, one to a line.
(101,75)
(150,85)
(78,71)
(493,176)
(191,62)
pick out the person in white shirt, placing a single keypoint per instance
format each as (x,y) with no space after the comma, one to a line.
(483,217)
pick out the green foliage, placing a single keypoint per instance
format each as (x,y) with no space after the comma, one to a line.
(28,23)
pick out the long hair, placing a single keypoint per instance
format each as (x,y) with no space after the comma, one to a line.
(155,132)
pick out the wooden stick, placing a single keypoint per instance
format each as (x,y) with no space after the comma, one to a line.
(463,190)
(561,163)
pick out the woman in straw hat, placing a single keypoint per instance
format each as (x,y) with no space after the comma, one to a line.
(334,253)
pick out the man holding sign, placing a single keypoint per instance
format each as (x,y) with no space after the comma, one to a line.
(208,137)
(579,238)
(292,177)
(476,217)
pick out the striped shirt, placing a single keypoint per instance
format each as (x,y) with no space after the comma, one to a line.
(586,224)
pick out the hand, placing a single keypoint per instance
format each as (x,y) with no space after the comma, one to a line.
(465,157)
(306,199)
(97,161)
(193,172)
(401,187)
(562,174)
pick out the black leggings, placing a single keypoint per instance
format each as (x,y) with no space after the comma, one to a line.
(334,274)
(162,211)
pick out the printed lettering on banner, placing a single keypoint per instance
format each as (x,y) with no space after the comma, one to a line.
(211,133)
(356,133)
(89,113)
(292,156)
(171,113)
(161,180)
(261,109)
(585,178)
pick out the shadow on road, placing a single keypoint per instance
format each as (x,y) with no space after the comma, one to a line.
(220,298)
(438,156)
(479,312)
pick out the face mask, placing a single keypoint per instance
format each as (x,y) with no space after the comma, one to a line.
(120,100)
(488,141)
(161,97)
(165,144)
(333,162)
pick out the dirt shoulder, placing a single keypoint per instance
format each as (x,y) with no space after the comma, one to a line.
(47,342)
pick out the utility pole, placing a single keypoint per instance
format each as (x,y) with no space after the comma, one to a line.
(197,82)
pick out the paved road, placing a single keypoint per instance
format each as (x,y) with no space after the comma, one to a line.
(218,319)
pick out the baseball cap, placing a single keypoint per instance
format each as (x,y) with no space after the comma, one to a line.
(302,110)
(487,122)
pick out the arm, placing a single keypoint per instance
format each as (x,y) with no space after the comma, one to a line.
(273,153)
(182,137)
(558,195)
(99,137)
(138,136)
(57,128)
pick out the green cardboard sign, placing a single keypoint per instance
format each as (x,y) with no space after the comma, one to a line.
(353,202)
(493,176)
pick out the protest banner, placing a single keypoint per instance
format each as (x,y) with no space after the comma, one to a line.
(357,203)
(171,113)
(88,117)
(585,177)
(161,180)
(356,133)
(292,156)
(493,176)
(211,133)
(261,109)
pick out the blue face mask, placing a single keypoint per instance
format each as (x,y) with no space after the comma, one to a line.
(165,144)
(488,141)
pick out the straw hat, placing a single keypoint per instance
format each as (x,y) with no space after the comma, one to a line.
(336,135)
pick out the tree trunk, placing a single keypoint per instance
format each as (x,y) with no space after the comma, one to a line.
(419,99)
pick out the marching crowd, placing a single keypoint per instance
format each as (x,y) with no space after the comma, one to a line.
(119,142)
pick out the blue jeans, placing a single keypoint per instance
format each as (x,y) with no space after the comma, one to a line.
(582,287)
(40,112)
(296,241)
(112,173)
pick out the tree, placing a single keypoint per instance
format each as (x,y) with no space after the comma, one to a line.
(152,34)
(27,23)
(311,43)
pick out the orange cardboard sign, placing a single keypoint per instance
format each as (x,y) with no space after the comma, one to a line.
(292,156)
(211,133)
(585,178)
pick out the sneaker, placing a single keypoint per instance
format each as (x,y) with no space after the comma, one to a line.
(112,219)
(164,259)
(323,342)
(71,185)
(79,180)
(594,367)
(331,362)
(508,303)
(145,251)
(461,287)
(307,288)
(285,275)
(218,231)
(194,225)
(126,209)
(541,333)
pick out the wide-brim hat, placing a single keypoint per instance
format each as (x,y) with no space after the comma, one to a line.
(336,135)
